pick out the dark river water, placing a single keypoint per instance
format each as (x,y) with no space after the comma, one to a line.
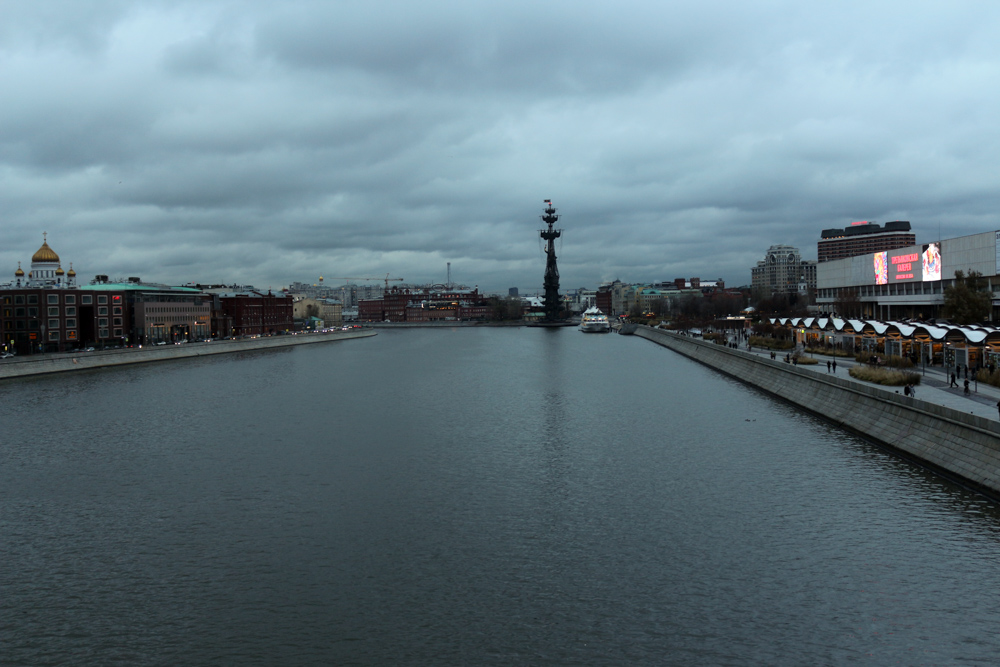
(471,496)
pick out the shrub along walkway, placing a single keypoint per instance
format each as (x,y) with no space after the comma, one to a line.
(933,387)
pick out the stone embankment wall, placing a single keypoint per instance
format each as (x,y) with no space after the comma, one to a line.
(959,445)
(62,363)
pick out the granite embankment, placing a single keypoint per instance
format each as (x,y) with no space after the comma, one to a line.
(62,363)
(962,446)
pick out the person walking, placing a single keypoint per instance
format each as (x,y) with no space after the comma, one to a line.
(966,387)
(834,366)
(906,390)
(827,366)
(913,391)
(998,405)
(953,383)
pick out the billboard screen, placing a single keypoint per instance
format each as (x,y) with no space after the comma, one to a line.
(881,267)
(931,262)
(906,265)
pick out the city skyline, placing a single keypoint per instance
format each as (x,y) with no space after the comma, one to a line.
(264,144)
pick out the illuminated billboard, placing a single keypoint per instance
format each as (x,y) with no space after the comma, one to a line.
(881,268)
(905,267)
(931,261)
(908,265)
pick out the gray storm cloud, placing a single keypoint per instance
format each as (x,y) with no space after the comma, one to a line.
(267,143)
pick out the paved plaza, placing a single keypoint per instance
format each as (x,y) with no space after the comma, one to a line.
(933,387)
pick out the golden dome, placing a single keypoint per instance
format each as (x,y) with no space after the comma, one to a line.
(71,273)
(45,253)
(59,271)
(20,272)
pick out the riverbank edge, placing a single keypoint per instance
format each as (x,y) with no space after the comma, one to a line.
(67,363)
(960,446)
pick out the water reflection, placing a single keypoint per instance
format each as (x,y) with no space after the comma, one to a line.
(468,496)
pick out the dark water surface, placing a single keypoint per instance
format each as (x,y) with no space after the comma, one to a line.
(471,496)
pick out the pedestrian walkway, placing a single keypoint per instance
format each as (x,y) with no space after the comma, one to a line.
(933,387)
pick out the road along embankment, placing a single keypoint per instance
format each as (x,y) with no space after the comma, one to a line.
(64,363)
(961,446)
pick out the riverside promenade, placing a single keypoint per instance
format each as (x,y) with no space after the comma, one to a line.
(942,428)
(933,387)
(67,362)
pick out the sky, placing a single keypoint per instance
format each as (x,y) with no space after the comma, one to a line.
(266,143)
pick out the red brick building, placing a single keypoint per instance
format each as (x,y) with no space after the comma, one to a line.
(252,313)
(406,305)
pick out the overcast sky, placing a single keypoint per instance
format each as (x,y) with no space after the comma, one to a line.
(273,142)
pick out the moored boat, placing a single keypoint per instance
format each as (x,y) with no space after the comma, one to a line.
(594,321)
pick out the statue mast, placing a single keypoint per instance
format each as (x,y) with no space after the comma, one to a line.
(552,304)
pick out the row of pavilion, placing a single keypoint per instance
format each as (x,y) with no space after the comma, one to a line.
(945,345)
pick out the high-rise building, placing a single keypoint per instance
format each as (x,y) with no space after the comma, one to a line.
(862,238)
(783,271)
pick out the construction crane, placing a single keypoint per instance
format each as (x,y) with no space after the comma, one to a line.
(386,279)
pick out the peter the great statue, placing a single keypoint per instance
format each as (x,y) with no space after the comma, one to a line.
(551,303)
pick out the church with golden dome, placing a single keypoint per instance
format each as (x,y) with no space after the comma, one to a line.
(45,310)
(46,269)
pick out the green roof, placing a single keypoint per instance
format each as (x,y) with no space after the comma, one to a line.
(118,287)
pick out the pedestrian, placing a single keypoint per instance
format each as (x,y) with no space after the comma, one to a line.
(834,366)
(828,367)
(953,383)
(906,390)
(998,405)
(913,391)
(966,387)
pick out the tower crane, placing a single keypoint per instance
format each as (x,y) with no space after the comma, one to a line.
(386,279)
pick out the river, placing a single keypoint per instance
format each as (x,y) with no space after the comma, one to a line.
(470,496)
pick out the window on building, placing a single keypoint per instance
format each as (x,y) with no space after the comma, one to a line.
(19,324)
(18,299)
(53,324)
(32,298)
(102,310)
(103,333)
(32,311)
(71,310)
(102,322)
(86,299)
(53,311)
(32,325)
(71,323)
(70,298)
(102,298)
(19,312)
(70,335)
(53,298)
(119,333)
(117,322)
(117,310)
(53,335)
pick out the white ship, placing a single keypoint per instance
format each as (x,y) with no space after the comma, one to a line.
(594,321)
